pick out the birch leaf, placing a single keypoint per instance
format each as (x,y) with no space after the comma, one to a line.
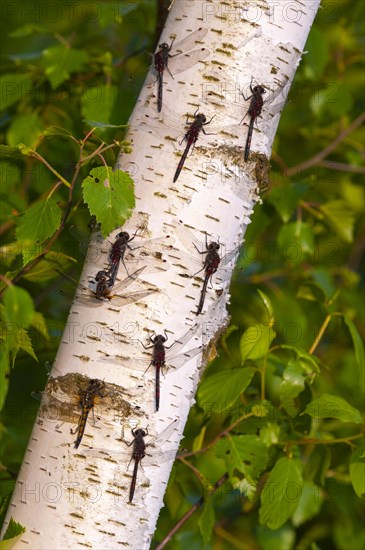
(109,196)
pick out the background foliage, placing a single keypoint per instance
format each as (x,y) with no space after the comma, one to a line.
(280,404)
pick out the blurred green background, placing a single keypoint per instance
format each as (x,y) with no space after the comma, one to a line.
(303,250)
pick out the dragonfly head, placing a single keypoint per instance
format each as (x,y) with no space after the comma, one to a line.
(123,235)
(259,89)
(140,432)
(201,118)
(213,246)
(160,338)
(164,46)
(101,276)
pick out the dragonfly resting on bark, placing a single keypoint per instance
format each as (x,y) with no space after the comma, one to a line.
(71,397)
(182,60)
(104,292)
(142,452)
(163,356)
(213,263)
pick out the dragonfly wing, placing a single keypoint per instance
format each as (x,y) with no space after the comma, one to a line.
(152,457)
(158,129)
(128,280)
(152,264)
(132,297)
(91,248)
(165,434)
(185,61)
(183,358)
(190,41)
(57,410)
(180,343)
(153,245)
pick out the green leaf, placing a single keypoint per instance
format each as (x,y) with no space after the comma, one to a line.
(39,222)
(25,343)
(296,241)
(340,218)
(268,306)
(28,29)
(311,291)
(309,504)
(4,373)
(95,124)
(281,494)
(332,406)
(285,198)
(12,88)
(10,153)
(60,61)
(57,131)
(9,174)
(221,390)
(244,453)
(357,342)
(317,465)
(19,307)
(97,103)
(109,196)
(307,361)
(39,323)
(25,129)
(317,55)
(44,270)
(12,534)
(357,471)
(255,341)
(207,520)
(293,382)
(283,538)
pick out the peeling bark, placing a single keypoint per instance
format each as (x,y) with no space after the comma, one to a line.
(72,498)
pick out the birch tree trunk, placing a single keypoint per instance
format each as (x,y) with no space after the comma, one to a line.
(68,498)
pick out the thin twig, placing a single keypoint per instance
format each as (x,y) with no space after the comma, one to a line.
(327,150)
(320,334)
(341,166)
(219,436)
(190,512)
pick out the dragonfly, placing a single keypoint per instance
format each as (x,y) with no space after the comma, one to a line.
(141,450)
(121,245)
(105,293)
(162,355)
(170,128)
(213,263)
(71,397)
(150,255)
(191,137)
(254,111)
(163,60)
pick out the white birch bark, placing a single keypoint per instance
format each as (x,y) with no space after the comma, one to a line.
(64,497)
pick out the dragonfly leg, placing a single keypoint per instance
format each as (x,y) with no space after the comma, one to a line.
(151,363)
(200,270)
(208,121)
(204,251)
(167,68)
